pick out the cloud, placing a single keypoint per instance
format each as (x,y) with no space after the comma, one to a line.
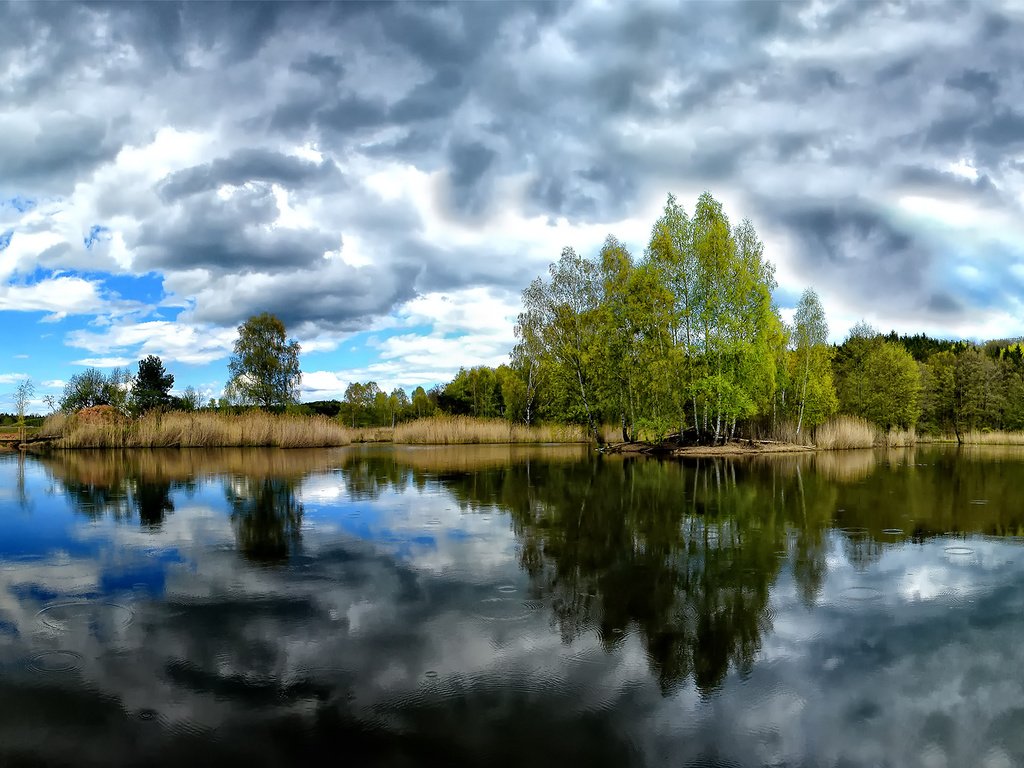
(333,163)
(104,362)
(171,341)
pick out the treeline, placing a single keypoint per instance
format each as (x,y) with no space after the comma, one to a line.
(685,339)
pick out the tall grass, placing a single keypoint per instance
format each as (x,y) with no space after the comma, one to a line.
(978,437)
(843,433)
(458,430)
(199,430)
(898,438)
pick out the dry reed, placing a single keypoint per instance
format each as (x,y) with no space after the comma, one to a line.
(978,437)
(898,438)
(371,434)
(843,433)
(459,430)
(200,430)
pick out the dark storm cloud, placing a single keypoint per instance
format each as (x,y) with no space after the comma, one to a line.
(339,298)
(49,155)
(232,235)
(247,165)
(469,162)
(857,247)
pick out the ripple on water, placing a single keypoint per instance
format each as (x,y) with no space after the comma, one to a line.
(854,531)
(502,609)
(893,531)
(507,588)
(84,614)
(55,661)
(958,551)
(860,594)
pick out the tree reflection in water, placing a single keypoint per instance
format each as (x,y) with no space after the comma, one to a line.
(683,554)
(266,516)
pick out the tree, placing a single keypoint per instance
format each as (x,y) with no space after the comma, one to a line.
(893,384)
(152,388)
(852,387)
(265,365)
(398,404)
(421,403)
(22,395)
(560,314)
(189,401)
(810,334)
(91,388)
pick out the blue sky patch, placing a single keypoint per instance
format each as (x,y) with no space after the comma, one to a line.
(97,234)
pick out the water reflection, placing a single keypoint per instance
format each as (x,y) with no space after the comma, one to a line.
(511,604)
(266,516)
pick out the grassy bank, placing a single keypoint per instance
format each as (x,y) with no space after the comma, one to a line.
(461,430)
(196,430)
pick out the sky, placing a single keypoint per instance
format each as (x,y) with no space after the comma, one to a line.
(387,178)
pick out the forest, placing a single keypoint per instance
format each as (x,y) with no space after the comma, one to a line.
(685,339)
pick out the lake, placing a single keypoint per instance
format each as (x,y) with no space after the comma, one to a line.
(497,605)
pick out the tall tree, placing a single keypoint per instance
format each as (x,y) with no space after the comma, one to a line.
(892,383)
(264,369)
(852,387)
(810,335)
(562,311)
(152,386)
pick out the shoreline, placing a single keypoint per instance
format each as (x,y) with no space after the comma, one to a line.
(731,448)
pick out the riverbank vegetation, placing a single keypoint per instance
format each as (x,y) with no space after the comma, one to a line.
(103,427)
(462,430)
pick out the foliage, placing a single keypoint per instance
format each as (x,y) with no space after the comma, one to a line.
(91,388)
(810,335)
(152,386)
(684,339)
(892,385)
(264,368)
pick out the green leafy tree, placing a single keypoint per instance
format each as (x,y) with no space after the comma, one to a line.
(560,312)
(152,386)
(264,369)
(852,384)
(977,397)
(91,388)
(810,336)
(421,404)
(189,400)
(893,385)
(938,392)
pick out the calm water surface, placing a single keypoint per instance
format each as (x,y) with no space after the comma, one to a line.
(512,606)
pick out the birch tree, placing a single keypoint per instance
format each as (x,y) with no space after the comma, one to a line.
(810,336)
